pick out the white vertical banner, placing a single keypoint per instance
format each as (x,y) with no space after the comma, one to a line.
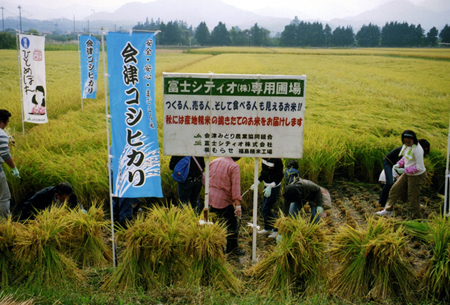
(33,80)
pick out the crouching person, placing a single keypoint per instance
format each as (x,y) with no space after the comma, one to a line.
(298,193)
(57,195)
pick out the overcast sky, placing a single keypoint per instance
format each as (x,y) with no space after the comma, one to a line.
(324,9)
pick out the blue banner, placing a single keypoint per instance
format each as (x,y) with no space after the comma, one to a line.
(135,149)
(89,58)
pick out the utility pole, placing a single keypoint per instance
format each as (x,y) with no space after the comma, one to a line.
(88,26)
(74,24)
(20,18)
(3,20)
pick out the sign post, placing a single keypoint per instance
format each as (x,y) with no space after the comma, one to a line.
(234,115)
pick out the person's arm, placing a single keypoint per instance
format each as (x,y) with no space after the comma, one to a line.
(10,163)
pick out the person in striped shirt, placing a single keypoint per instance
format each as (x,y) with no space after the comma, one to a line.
(5,157)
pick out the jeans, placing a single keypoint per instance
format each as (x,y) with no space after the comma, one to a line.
(389,182)
(231,221)
(268,203)
(295,208)
(189,191)
(5,196)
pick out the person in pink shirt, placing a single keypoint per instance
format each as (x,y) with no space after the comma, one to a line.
(225,197)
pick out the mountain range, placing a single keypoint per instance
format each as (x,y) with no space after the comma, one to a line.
(428,13)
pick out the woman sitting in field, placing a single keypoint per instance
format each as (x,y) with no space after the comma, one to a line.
(413,174)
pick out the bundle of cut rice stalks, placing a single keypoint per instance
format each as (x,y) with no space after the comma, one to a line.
(204,246)
(8,232)
(42,250)
(153,255)
(372,263)
(297,264)
(87,247)
(436,277)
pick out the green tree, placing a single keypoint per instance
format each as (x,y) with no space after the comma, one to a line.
(202,34)
(445,34)
(328,34)
(259,36)
(238,37)
(220,35)
(432,37)
(7,40)
(368,36)
(343,37)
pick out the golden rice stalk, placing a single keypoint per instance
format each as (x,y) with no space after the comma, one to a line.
(8,232)
(87,246)
(9,300)
(297,263)
(41,250)
(436,277)
(372,263)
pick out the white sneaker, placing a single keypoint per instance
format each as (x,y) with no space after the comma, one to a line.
(384,213)
(273,235)
(264,231)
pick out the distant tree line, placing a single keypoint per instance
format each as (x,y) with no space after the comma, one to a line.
(297,34)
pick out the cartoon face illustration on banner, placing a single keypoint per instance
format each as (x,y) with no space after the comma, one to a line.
(39,101)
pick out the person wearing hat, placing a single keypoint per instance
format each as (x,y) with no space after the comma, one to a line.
(63,192)
(412,171)
(298,193)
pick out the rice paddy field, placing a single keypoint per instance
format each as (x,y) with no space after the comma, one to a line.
(358,102)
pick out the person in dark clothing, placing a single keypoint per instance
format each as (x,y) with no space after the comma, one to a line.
(189,191)
(291,172)
(271,175)
(389,161)
(298,193)
(63,192)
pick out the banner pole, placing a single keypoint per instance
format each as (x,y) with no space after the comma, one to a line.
(446,211)
(255,208)
(20,80)
(205,211)
(109,155)
(81,76)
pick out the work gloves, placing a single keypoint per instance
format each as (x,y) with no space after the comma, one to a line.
(319,210)
(254,186)
(399,170)
(268,190)
(238,211)
(15,172)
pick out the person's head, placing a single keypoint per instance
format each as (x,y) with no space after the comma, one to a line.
(63,191)
(4,118)
(292,194)
(292,164)
(236,159)
(409,138)
(426,146)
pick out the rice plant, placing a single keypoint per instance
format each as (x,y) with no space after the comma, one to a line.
(8,233)
(372,264)
(436,278)
(87,246)
(297,263)
(42,250)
